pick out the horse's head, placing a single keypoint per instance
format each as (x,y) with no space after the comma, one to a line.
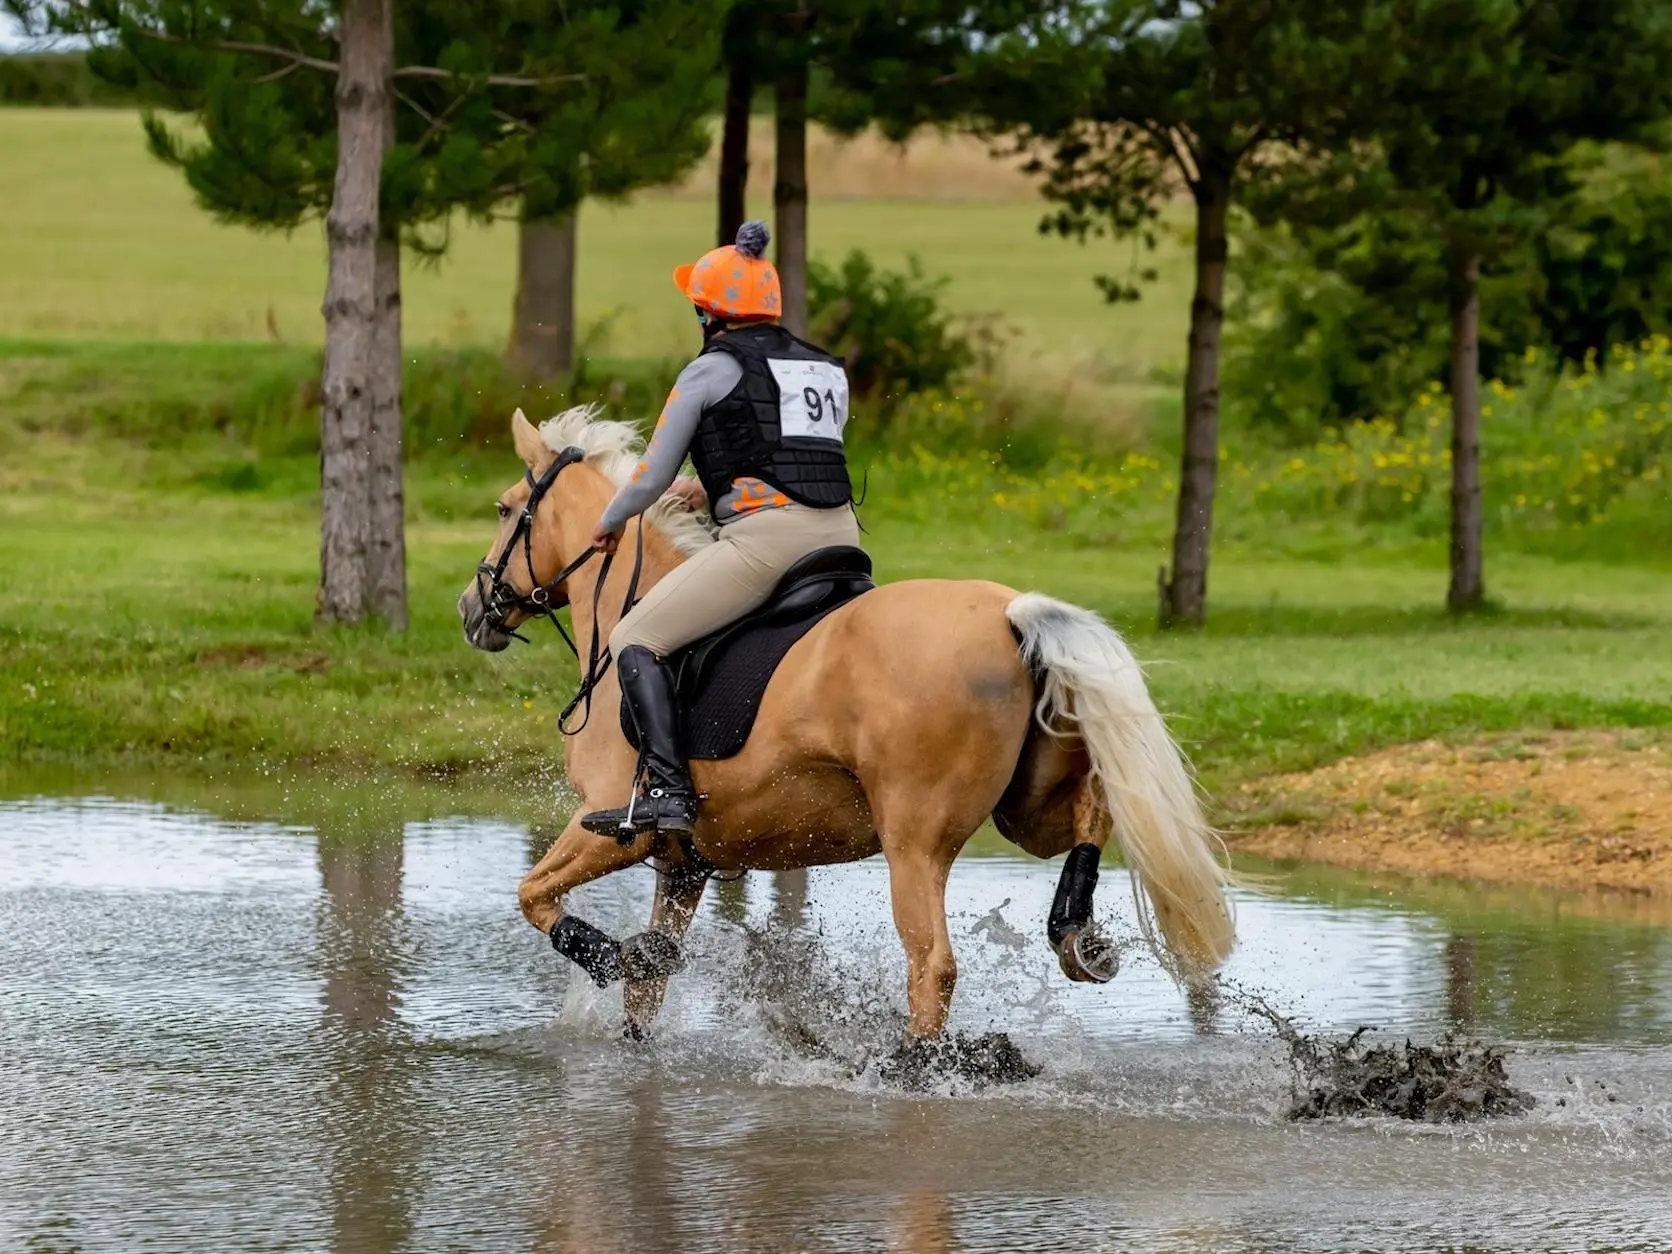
(516,579)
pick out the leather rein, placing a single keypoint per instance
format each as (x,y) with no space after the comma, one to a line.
(543,600)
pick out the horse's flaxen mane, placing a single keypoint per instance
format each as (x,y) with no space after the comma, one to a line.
(614,449)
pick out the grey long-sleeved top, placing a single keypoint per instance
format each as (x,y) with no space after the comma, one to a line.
(705,382)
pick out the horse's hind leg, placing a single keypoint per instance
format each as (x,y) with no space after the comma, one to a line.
(654,955)
(1084,952)
(917,884)
(921,832)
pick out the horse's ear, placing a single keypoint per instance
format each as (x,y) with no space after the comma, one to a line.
(530,447)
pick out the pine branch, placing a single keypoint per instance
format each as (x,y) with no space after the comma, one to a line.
(232,45)
(302,59)
(282,72)
(492,80)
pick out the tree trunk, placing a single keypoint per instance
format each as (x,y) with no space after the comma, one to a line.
(789,196)
(386,539)
(351,232)
(1185,592)
(1468,581)
(543,320)
(734,150)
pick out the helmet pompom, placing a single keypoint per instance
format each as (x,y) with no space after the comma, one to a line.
(752,238)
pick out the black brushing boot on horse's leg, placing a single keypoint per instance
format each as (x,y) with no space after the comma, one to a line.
(669,802)
(595,952)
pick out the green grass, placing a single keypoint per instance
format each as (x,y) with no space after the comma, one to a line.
(98,240)
(158,517)
(157,569)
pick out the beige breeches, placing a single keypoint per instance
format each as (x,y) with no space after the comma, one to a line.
(722,583)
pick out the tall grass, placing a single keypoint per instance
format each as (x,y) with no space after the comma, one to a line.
(1575,462)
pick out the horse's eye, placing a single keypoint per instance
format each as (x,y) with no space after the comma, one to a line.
(504,510)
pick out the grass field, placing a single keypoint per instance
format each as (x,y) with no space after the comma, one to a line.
(158,542)
(155,608)
(98,240)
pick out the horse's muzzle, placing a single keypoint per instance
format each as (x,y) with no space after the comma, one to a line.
(478,631)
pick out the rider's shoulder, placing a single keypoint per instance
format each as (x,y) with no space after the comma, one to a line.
(709,368)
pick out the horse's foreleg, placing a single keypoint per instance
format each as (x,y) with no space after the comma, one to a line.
(650,959)
(917,883)
(577,857)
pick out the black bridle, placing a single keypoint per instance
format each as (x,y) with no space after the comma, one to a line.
(500,599)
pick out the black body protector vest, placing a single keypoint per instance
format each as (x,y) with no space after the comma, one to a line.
(781,424)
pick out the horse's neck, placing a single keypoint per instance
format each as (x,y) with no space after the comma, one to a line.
(594,606)
(593,757)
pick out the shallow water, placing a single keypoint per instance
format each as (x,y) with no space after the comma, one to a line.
(238,1035)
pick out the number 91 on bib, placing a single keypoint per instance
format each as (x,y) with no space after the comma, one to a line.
(812,399)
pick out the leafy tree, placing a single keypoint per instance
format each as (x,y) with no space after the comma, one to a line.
(1155,98)
(1348,318)
(1476,103)
(891,327)
(384,129)
(889,62)
(1605,266)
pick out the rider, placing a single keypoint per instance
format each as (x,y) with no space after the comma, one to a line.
(761,415)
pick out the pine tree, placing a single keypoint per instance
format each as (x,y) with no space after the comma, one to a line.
(739,54)
(1136,101)
(871,57)
(642,120)
(1477,103)
(382,123)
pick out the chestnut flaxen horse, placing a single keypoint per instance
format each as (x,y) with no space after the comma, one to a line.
(898,724)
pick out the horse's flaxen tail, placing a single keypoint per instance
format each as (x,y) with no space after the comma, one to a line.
(1093,688)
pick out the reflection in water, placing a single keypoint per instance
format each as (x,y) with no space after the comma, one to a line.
(1573,980)
(1526,962)
(923,1223)
(604,1181)
(350,1039)
(369,1146)
(1460,982)
(731,895)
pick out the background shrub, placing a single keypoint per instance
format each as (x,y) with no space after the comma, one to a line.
(891,326)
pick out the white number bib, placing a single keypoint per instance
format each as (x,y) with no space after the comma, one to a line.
(812,398)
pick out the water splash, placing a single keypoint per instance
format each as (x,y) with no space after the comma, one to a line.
(1450,1081)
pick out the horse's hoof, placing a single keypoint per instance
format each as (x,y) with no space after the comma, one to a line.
(1088,956)
(922,1062)
(651,955)
(914,1063)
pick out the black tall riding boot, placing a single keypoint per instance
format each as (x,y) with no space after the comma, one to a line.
(669,800)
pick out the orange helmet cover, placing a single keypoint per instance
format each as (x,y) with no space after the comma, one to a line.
(735,282)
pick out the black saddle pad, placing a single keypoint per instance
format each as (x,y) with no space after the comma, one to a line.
(723,677)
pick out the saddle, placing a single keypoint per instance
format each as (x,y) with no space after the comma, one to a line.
(722,677)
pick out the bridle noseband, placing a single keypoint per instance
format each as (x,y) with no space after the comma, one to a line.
(500,598)
(543,600)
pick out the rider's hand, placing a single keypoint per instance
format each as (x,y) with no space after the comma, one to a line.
(689,494)
(605,541)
